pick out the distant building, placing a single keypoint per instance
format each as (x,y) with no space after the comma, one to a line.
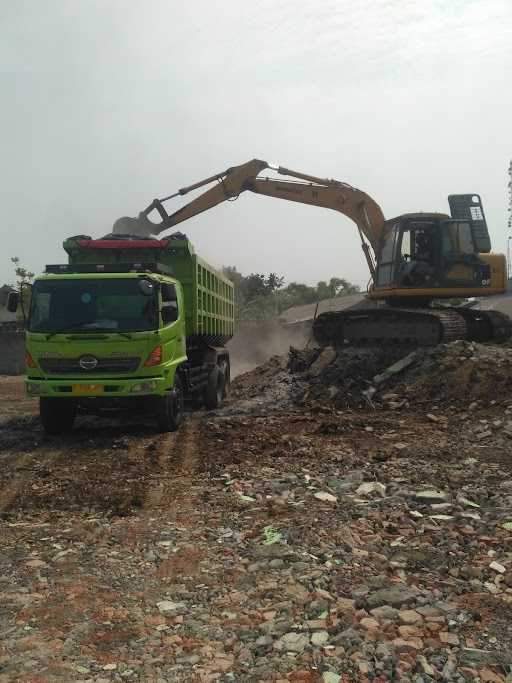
(5,316)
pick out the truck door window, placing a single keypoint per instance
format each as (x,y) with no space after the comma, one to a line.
(170,311)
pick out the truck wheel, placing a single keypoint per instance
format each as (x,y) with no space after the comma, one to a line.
(226,371)
(215,389)
(170,408)
(57,415)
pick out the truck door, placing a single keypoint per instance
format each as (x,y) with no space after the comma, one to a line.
(172,314)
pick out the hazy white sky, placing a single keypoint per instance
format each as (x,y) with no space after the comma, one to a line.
(107,104)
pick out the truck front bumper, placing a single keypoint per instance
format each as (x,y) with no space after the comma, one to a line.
(97,387)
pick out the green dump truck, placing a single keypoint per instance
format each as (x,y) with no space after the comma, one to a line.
(128,324)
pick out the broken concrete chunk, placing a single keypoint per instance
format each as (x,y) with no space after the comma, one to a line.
(409,616)
(292,642)
(497,567)
(371,487)
(431,496)
(325,497)
(170,606)
(465,501)
(384,612)
(396,368)
(319,638)
(324,359)
(449,638)
(395,597)
(330,677)
(483,435)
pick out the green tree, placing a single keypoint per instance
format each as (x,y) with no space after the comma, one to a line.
(24,277)
(259,296)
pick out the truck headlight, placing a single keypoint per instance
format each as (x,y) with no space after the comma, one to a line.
(33,389)
(143,388)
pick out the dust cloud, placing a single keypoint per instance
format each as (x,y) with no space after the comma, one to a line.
(254,343)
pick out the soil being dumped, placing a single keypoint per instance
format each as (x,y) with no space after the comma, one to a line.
(345,517)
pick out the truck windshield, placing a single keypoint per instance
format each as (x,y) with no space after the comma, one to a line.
(117,305)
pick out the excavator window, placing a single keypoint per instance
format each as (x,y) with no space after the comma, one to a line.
(418,254)
(405,248)
(386,268)
(457,238)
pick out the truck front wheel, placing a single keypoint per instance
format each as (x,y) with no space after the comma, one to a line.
(57,414)
(170,408)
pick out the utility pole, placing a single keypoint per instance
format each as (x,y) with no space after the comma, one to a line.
(509,218)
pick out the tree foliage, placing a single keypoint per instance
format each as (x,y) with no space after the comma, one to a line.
(259,296)
(23,275)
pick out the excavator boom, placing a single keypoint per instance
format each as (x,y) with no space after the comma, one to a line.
(323,192)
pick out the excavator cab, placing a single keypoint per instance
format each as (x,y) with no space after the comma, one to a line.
(439,253)
(435,255)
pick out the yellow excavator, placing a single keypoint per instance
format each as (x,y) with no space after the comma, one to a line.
(415,259)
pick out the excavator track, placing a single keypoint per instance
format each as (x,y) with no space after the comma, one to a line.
(486,325)
(415,326)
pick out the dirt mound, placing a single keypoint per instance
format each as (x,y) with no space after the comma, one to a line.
(342,376)
(252,383)
(461,373)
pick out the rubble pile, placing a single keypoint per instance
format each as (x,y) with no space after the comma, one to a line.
(346,517)
(326,547)
(458,373)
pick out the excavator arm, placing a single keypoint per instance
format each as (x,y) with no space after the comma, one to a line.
(330,194)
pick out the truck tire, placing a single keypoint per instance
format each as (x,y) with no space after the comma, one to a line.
(170,408)
(57,415)
(215,388)
(226,371)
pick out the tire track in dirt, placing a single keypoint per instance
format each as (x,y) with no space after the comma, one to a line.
(180,458)
(109,467)
(9,494)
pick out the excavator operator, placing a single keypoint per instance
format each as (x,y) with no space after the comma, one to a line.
(419,269)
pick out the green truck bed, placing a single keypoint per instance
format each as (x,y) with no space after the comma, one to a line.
(209,295)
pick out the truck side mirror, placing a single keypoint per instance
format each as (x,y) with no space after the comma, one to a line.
(169,314)
(13,301)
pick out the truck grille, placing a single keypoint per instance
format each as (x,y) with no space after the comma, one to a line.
(71,366)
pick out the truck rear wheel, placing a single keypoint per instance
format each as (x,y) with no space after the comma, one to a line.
(57,414)
(226,371)
(215,388)
(170,408)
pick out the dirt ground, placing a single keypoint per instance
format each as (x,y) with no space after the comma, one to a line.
(276,539)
